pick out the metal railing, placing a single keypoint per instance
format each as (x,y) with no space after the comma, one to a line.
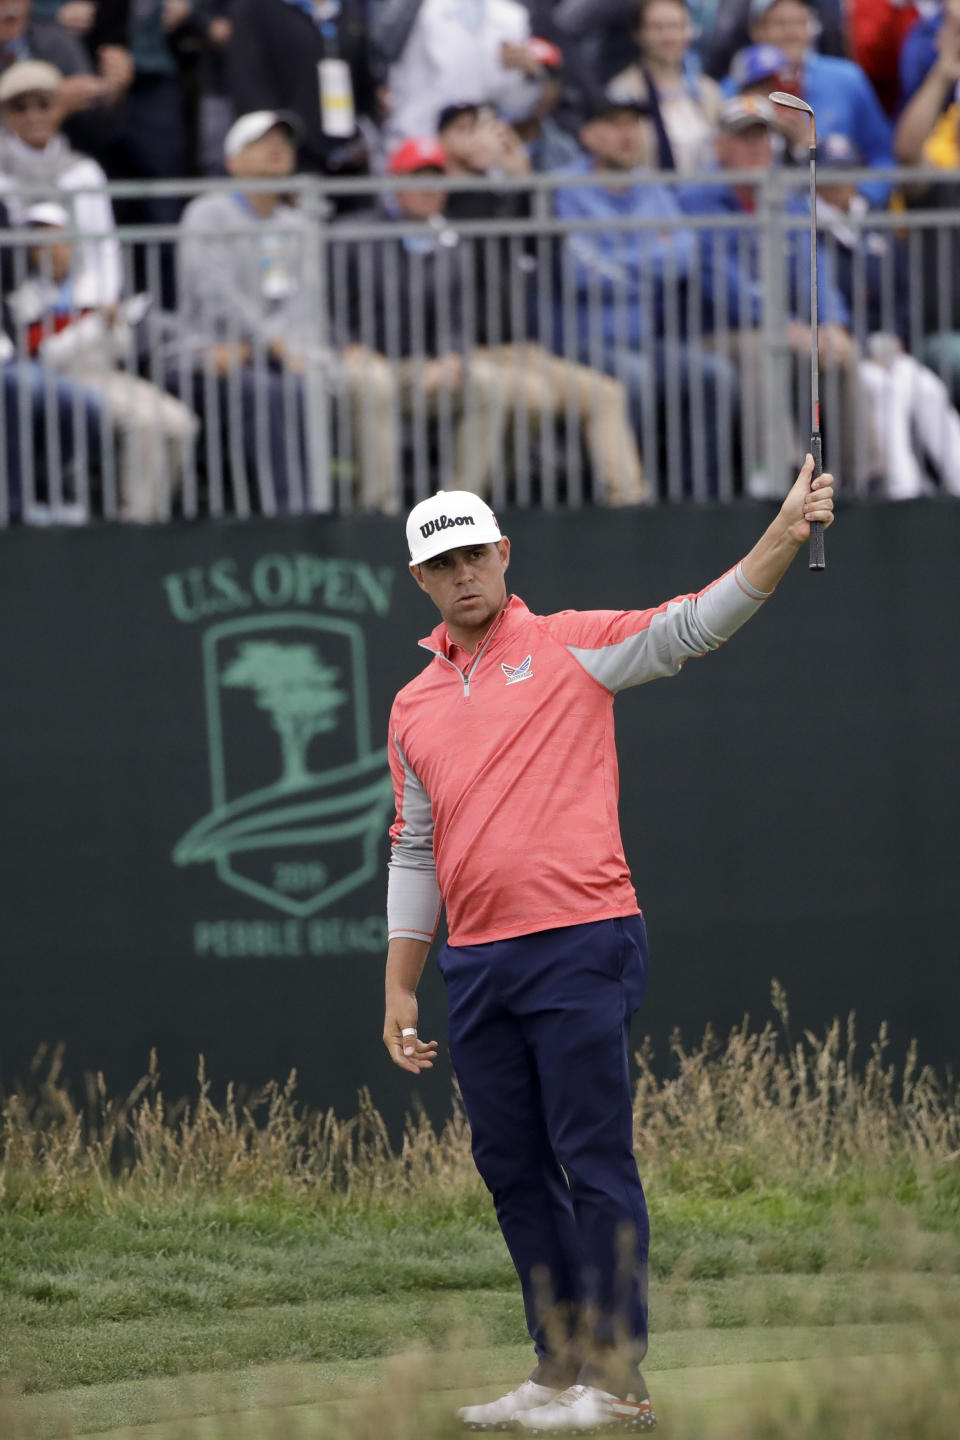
(320,362)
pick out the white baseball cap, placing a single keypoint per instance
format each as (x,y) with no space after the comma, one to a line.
(48,213)
(446,520)
(254,125)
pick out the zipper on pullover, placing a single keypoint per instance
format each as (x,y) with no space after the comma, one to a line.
(467,676)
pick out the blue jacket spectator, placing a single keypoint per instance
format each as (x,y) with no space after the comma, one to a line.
(734,287)
(630,284)
(840,93)
(624,271)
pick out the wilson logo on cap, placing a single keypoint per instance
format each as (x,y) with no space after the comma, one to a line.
(445,522)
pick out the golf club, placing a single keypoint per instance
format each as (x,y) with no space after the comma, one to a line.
(793,102)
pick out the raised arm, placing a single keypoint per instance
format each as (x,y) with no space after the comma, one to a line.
(620,648)
(923,111)
(808,500)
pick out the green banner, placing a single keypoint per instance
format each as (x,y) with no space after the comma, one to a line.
(196,793)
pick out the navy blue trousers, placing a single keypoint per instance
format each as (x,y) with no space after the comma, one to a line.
(539,1036)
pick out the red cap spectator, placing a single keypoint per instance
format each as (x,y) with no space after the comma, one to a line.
(414,155)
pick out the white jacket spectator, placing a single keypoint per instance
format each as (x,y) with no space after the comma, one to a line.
(35,158)
(461,50)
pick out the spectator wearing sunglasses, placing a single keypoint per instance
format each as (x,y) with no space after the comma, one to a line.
(35,155)
(29,32)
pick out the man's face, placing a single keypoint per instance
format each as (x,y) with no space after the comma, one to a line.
(422,204)
(14,15)
(664,31)
(271,157)
(750,149)
(787,25)
(472,140)
(619,140)
(466,584)
(33,117)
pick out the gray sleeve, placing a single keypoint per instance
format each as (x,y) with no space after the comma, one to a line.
(673,634)
(413,895)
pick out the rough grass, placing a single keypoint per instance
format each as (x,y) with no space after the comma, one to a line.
(789,1187)
(747,1116)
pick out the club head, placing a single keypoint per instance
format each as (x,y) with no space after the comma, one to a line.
(792,102)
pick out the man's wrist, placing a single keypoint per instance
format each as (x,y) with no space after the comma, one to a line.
(396,991)
(782,536)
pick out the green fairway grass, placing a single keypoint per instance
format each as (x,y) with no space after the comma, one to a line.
(704,1383)
(167,1289)
(275,1268)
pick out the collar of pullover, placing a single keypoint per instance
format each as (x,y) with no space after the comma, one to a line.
(512,614)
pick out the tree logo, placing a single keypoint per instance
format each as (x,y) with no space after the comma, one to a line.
(300,839)
(292,683)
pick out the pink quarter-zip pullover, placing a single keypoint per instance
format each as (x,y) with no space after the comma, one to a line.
(505,771)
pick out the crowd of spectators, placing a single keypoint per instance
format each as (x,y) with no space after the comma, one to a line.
(595,326)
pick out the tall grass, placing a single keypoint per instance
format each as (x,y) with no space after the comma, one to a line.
(758,1111)
(750,1113)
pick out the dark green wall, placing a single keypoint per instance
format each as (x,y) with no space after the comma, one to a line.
(789,805)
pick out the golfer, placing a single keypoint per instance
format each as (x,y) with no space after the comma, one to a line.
(505,771)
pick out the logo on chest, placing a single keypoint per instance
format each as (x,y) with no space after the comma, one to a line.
(516,673)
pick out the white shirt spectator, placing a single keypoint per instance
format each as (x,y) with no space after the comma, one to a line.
(453,54)
(99,272)
(37,161)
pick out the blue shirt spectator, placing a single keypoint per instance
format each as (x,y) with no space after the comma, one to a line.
(624,271)
(630,285)
(839,92)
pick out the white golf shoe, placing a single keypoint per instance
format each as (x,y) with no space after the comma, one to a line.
(583,1409)
(501,1414)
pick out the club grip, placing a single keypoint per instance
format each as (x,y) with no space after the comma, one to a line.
(817,560)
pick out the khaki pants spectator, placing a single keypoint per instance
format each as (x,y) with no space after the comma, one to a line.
(155,430)
(497,383)
(548,387)
(465,396)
